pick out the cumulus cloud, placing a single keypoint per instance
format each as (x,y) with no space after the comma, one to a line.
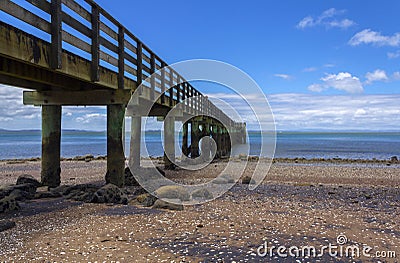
(283,76)
(377,75)
(323,112)
(328,18)
(367,36)
(343,81)
(15,115)
(12,108)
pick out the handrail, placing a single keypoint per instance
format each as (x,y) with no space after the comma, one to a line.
(127,47)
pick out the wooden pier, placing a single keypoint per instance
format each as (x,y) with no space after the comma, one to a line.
(118,64)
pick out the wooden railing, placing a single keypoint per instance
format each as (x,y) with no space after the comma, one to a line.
(113,46)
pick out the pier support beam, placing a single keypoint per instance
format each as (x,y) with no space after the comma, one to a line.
(227,142)
(115,149)
(51,140)
(195,137)
(169,143)
(220,140)
(136,134)
(185,130)
(205,145)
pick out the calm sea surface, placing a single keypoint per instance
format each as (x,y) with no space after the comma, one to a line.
(26,144)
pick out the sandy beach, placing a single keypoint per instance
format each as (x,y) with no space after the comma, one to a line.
(298,205)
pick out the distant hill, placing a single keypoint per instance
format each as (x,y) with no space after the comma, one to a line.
(37,130)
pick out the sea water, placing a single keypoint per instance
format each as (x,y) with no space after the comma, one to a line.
(352,145)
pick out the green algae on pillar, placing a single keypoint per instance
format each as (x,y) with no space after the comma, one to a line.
(185,130)
(115,149)
(51,140)
(169,142)
(195,137)
(136,133)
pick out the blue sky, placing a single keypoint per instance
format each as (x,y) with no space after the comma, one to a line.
(322,64)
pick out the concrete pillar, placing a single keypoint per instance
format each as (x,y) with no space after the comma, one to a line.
(227,142)
(169,142)
(222,134)
(206,147)
(215,137)
(51,140)
(115,149)
(195,136)
(136,134)
(185,130)
(244,139)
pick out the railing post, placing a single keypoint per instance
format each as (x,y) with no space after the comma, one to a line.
(139,77)
(95,43)
(121,57)
(201,105)
(171,89)
(56,35)
(152,79)
(192,102)
(184,85)
(163,66)
(178,89)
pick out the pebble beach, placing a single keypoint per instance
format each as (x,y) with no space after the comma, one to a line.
(298,204)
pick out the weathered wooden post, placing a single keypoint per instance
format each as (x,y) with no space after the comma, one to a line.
(227,141)
(195,136)
(169,142)
(51,140)
(136,134)
(185,130)
(205,146)
(224,149)
(115,149)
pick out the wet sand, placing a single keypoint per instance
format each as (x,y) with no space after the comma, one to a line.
(298,204)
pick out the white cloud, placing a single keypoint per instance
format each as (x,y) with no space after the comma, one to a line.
(396,75)
(91,117)
(345,23)
(316,88)
(12,109)
(367,36)
(377,75)
(310,69)
(306,22)
(393,55)
(343,81)
(283,76)
(324,112)
(327,19)
(15,115)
